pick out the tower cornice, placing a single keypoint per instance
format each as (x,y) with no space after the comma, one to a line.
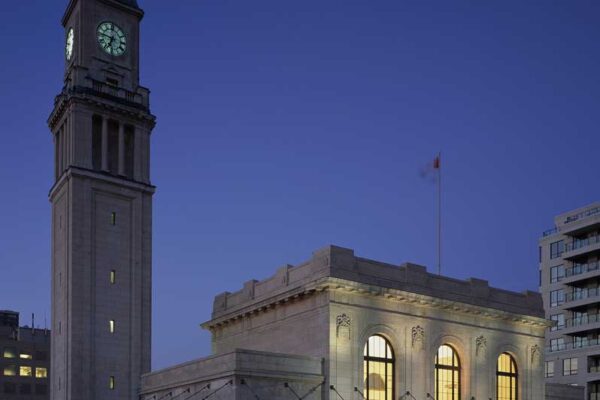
(113,104)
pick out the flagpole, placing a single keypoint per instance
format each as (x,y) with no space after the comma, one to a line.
(439,221)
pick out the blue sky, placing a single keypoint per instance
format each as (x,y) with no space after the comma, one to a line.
(286,126)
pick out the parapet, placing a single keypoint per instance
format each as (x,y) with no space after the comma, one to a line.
(342,264)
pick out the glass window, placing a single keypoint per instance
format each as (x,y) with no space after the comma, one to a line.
(506,378)
(111,383)
(41,389)
(113,218)
(113,277)
(25,388)
(556,249)
(557,344)
(26,356)
(557,273)
(10,388)
(111,326)
(10,370)
(559,320)
(549,369)
(378,369)
(569,366)
(447,374)
(10,352)
(25,371)
(557,297)
(41,373)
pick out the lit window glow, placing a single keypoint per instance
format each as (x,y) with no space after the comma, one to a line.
(10,370)
(25,371)
(378,369)
(41,373)
(447,374)
(9,352)
(111,326)
(507,378)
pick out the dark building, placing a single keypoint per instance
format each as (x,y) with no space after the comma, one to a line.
(24,360)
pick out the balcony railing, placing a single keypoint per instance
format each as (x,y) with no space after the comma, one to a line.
(581,243)
(582,320)
(582,215)
(550,232)
(594,396)
(582,294)
(574,345)
(578,269)
(594,369)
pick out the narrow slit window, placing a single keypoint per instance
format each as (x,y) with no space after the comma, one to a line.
(113,218)
(111,383)
(113,277)
(111,326)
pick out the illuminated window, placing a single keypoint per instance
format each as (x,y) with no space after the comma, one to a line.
(26,356)
(506,378)
(113,277)
(113,218)
(9,352)
(41,373)
(111,383)
(447,374)
(378,369)
(111,326)
(25,371)
(10,370)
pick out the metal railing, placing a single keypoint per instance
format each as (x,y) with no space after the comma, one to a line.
(573,345)
(578,269)
(582,215)
(582,320)
(582,294)
(550,232)
(581,243)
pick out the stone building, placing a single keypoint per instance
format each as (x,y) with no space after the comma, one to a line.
(24,360)
(353,327)
(569,282)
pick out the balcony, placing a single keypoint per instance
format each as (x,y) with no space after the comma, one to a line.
(581,271)
(580,324)
(594,396)
(580,247)
(581,297)
(575,345)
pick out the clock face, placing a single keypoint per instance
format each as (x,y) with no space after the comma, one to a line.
(70,43)
(112,39)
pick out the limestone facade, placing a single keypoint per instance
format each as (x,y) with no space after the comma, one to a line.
(328,307)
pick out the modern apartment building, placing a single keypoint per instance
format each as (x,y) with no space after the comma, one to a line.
(24,360)
(570,285)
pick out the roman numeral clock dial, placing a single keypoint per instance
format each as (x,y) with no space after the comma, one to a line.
(112,39)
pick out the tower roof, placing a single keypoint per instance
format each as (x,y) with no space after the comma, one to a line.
(131,3)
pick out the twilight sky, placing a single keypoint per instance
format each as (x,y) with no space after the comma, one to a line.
(284,126)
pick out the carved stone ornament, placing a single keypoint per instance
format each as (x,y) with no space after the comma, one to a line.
(481,346)
(536,355)
(418,338)
(343,323)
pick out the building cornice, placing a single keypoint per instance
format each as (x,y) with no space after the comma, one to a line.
(330,284)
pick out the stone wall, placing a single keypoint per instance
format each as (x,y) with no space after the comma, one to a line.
(239,375)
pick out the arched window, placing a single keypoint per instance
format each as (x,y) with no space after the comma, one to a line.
(447,374)
(506,378)
(378,369)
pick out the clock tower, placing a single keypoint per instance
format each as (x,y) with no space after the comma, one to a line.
(101,207)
